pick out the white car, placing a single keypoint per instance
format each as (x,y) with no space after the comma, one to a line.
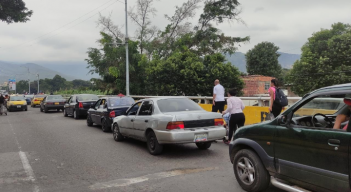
(169,120)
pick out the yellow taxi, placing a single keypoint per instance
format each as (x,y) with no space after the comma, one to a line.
(16,103)
(36,100)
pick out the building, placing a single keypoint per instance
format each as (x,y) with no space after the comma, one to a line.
(256,85)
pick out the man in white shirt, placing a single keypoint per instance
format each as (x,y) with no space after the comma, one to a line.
(218,97)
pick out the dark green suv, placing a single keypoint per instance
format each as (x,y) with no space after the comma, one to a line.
(307,147)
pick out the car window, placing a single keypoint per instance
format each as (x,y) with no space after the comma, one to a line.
(177,104)
(97,104)
(146,108)
(120,101)
(17,98)
(102,104)
(87,97)
(54,97)
(134,109)
(73,99)
(327,105)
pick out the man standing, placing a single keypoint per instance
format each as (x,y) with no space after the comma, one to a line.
(218,97)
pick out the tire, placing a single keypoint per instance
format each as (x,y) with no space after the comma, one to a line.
(75,115)
(31,106)
(89,121)
(26,109)
(204,145)
(58,110)
(65,113)
(152,144)
(117,136)
(104,126)
(41,109)
(250,172)
(45,110)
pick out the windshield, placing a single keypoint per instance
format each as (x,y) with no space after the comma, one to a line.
(40,96)
(123,101)
(16,98)
(325,105)
(176,105)
(29,96)
(87,98)
(55,97)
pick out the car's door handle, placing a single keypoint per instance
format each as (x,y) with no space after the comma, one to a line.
(146,121)
(333,142)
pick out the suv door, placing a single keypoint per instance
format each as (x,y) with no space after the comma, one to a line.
(126,124)
(143,119)
(99,113)
(312,153)
(93,111)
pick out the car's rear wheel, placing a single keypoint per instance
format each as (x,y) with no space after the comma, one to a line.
(117,136)
(249,171)
(75,115)
(104,126)
(89,121)
(46,110)
(65,113)
(41,109)
(204,145)
(26,109)
(58,110)
(152,144)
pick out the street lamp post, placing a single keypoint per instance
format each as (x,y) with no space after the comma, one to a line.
(38,83)
(127,55)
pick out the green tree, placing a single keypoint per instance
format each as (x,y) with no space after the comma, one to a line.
(58,83)
(14,11)
(325,60)
(263,60)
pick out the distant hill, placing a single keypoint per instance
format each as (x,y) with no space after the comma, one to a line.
(9,70)
(286,60)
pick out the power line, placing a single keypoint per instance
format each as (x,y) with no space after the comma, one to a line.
(40,37)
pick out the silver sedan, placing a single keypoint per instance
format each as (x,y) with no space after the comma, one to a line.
(169,120)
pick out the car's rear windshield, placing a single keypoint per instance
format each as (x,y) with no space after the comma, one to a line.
(87,98)
(40,96)
(29,96)
(55,97)
(176,105)
(120,101)
(17,98)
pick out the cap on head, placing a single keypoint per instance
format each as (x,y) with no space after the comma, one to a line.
(347,101)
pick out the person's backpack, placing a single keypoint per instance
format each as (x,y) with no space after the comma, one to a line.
(280,98)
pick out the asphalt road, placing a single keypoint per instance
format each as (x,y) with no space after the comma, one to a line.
(49,152)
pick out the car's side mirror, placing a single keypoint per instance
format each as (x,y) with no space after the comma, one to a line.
(282,120)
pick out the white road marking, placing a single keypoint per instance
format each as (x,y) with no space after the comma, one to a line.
(155,176)
(26,166)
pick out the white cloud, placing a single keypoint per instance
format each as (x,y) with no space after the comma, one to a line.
(286,23)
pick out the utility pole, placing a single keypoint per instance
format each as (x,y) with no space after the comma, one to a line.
(28,86)
(38,83)
(127,55)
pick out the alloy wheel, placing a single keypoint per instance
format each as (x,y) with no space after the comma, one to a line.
(246,170)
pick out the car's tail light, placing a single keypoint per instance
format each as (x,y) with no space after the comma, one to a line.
(175,125)
(112,114)
(80,105)
(49,103)
(218,122)
(35,100)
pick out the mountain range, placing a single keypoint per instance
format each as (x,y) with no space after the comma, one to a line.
(78,70)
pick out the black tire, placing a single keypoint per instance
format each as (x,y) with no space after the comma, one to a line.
(26,109)
(152,144)
(89,121)
(58,110)
(104,126)
(45,109)
(41,109)
(10,110)
(249,171)
(117,136)
(204,145)
(31,106)
(75,115)
(65,113)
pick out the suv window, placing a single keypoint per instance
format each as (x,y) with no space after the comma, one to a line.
(134,109)
(87,97)
(326,105)
(97,104)
(177,104)
(146,108)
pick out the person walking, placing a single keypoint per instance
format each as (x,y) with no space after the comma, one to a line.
(218,97)
(2,102)
(274,108)
(235,107)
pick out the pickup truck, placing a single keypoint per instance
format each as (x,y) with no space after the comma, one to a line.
(306,148)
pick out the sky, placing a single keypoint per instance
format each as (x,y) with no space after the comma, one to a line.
(61,31)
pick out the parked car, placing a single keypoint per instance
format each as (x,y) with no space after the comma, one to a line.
(107,108)
(299,149)
(51,102)
(78,105)
(169,120)
(37,99)
(28,98)
(16,103)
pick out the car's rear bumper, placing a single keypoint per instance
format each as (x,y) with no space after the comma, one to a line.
(15,107)
(82,112)
(35,103)
(188,135)
(54,107)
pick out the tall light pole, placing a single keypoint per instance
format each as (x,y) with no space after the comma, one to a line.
(28,79)
(38,83)
(127,55)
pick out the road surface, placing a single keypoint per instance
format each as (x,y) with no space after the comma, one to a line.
(49,152)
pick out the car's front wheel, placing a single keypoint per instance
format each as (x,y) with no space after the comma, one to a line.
(41,109)
(249,171)
(89,121)
(152,144)
(65,113)
(204,145)
(46,109)
(117,136)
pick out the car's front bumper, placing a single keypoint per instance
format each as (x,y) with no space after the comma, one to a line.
(188,135)
(17,107)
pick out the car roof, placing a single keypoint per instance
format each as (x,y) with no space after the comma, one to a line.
(164,97)
(346,85)
(83,94)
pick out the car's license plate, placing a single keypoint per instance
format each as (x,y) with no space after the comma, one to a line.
(200,137)
(57,103)
(18,106)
